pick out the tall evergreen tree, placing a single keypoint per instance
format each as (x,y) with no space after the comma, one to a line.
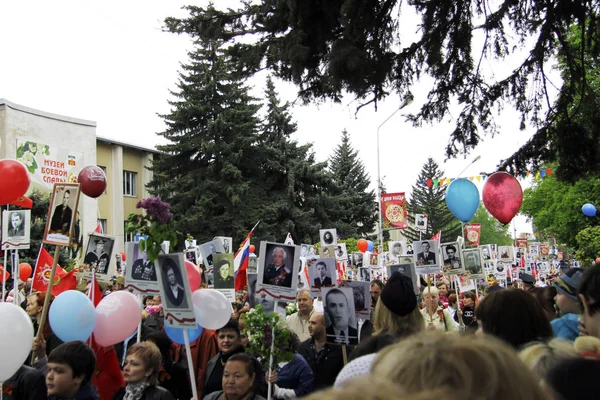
(208,167)
(357,214)
(294,187)
(429,199)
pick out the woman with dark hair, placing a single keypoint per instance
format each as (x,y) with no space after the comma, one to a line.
(172,376)
(239,374)
(545,296)
(514,316)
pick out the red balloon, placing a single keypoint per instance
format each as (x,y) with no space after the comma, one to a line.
(598,260)
(24,271)
(123,256)
(502,196)
(362,245)
(92,180)
(252,248)
(193,274)
(14,180)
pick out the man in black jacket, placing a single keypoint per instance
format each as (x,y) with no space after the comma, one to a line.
(325,359)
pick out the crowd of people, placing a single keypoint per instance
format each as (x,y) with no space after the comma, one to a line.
(523,343)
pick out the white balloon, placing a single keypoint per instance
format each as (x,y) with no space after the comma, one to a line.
(16,338)
(211,308)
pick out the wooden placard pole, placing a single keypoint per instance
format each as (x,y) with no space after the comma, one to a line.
(42,321)
(270,386)
(188,354)
(456,281)
(139,332)
(4,266)
(344,354)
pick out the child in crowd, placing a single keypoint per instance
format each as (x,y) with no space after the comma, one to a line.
(566,326)
(70,369)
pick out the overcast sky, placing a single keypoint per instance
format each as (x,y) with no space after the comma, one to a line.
(108,61)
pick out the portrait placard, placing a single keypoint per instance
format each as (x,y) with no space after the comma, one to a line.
(175,291)
(406,266)
(357,259)
(362,297)
(307,250)
(451,255)
(471,260)
(327,251)
(191,255)
(340,252)
(328,237)
(421,222)
(506,253)
(263,298)
(278,269)
(141,276)
(16,227)
(364,274)
(223,274)
(396,250)
(226,243)
(208,250)
(485,253)
(97,257)
(61,214)
(465,284)
(501,269)
(340,316)
(427,259)
(322,272)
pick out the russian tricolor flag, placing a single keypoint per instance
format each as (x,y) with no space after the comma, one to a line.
(240,262)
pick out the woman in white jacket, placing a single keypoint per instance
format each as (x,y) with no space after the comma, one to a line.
(436,317)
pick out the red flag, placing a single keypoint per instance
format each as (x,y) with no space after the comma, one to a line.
(43,268)
(437,236)
(23,201)
(97,293)
(98,229)
(107,377)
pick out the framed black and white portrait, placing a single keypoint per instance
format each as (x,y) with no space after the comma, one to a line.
(226,244)
(328,237)
(16,227)
(191,255)
(327,251)
(427,257)
(471,260)
(61,214)
(340,316)
(208,250)
(341,253)
(451,256)
(175,291)
(421,222)
(223,275)
(501,269)
(278,270)
(362,297)
(485,252)
(261,297)
(97,257)
(322,272)
(364,274)
(357,259)
(140,276)
(405,266)
(396,249)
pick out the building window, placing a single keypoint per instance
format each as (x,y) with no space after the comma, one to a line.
(102,223)
(130,183)
(103,168)
(129,237)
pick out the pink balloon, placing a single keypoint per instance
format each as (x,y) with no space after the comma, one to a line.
(193,274)
(502,196)
(117,317)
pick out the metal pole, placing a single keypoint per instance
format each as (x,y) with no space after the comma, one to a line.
(405,103)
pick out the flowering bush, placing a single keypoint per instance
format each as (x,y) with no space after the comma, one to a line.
(259,325)
(291,308)
(156,224)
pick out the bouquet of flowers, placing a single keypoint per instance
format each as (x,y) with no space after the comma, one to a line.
(260,327)
(156,223)
(291,308)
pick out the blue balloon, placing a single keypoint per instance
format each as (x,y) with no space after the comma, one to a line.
(588,209)
(462,198)
(176,334)
(72,316)
(370,246)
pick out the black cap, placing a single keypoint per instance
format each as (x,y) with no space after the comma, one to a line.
(494,288)
(526,278)
(398,294)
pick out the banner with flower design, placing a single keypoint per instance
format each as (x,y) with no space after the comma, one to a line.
(393,211)
(49,164)
(473,234)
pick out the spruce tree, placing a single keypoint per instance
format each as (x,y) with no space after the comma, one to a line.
(429,199)
(208,167)
(294,187)
(357,214)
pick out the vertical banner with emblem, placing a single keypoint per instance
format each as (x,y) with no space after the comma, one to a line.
(522,243)
(473,234)
(393,210)
(544,250)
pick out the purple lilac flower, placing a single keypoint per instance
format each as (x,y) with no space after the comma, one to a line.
(157,209)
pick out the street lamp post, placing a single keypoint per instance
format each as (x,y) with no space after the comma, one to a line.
(405,103)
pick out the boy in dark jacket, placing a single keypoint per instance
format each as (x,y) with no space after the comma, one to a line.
(70,369)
